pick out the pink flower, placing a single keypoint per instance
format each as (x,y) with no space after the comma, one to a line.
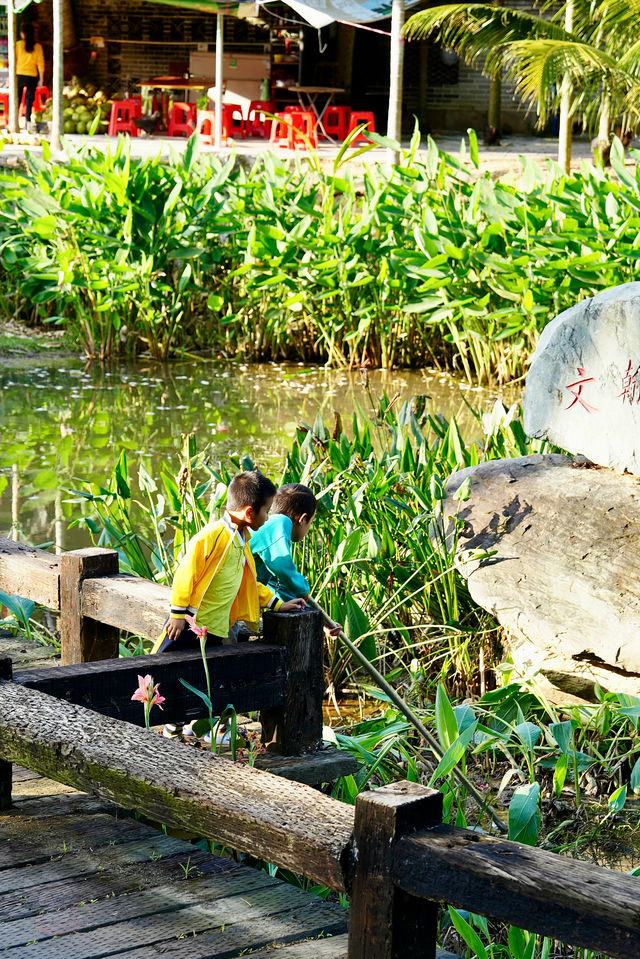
(147,694)
(200,631)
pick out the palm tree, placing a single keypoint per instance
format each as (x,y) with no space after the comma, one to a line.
(569,60)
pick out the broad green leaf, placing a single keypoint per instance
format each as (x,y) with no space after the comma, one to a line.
(524,814)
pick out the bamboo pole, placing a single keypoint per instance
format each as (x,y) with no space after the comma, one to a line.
(399,703)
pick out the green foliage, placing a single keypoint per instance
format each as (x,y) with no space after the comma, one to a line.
(420,264)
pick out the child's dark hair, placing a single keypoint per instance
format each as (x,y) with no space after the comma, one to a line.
(250,488)
(29,36)
(294,499)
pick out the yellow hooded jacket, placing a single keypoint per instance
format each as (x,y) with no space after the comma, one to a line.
(205,554)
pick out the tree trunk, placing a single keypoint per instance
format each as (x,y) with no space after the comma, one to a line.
(217,121)
(602,143)
(394,121)
(13,83)
(58,75)
(566,97)
(494,117)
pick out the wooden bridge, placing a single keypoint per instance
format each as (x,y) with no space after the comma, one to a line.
(391,855)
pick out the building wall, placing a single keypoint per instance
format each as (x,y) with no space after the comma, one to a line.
(144,39)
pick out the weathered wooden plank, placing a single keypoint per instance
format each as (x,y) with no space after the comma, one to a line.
(384,921)
(184,866)
(249,676)
(77,865)
(322,766)
(568,900)
(127,602)
(225,925)
(30,573)
(225,901)
(295,726)
(83,639)
(274,819)
(6,768)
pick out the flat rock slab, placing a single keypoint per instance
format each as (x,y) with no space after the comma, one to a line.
(583,386)
(564,572)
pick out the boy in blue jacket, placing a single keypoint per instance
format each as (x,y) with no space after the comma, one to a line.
(292,513)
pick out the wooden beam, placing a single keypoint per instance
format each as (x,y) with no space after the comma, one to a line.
(386,922)
(6,768)
(249,676)
(83,639)
(286,823)
(295,727)
(555,896)
(128,602)
(30,573)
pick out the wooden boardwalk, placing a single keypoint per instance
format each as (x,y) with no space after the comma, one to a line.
(80,880)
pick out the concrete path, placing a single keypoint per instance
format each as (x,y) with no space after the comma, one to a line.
(499,160)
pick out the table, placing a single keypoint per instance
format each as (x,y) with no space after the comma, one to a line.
(173,83)
(308,97)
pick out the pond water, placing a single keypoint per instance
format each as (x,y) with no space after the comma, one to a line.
(64,421)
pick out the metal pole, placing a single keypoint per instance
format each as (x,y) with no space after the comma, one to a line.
(58,76)
(217,126)
(396,65)
(13,82)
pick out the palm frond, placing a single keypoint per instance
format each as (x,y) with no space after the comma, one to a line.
(478,32)
(538,68)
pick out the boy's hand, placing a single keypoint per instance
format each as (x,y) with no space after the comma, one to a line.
(174,628)
(334,630)
(292,604)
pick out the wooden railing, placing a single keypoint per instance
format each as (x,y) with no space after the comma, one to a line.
(392,854)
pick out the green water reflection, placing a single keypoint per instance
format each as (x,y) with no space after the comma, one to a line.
(63,420)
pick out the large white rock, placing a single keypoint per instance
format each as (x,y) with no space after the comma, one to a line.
(583,388)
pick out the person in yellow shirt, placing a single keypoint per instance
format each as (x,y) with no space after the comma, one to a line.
(216,579)
(29,67)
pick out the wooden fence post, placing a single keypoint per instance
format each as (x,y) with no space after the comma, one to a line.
(84,640)
(6,767)
(296,726)
(385,922)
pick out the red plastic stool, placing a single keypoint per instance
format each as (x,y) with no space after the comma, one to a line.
(257,123)
(122,114)
(235,119)
(182,120)
(335,121)
(206,125)
(303,122)
(357,118)
(281,130)
(4,109)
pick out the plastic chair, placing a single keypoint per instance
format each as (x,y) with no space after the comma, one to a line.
(257,123)
(335,121)
(121,119)
(234,119)
(182,119)
(304,122)
(357,118)
(4,109)
(281,129)
(41,97)
(205,126)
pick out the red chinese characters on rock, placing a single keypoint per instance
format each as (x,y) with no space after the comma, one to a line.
(631,384)
(577,388)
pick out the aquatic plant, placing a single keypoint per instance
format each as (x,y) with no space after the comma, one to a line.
(429,262)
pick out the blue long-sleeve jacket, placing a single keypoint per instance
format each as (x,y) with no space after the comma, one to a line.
(271,548)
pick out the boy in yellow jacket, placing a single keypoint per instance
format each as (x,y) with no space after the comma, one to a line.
(216,580)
